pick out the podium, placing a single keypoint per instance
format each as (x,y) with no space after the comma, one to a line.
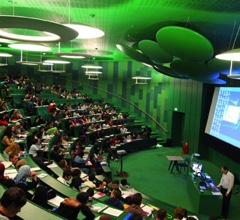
(122,173)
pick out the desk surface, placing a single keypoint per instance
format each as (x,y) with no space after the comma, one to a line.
(174,158)
(203,202)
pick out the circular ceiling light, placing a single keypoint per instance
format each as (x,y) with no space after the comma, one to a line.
(5,55)
(45,67)
(141,79)
(30,47)
(91,67)
(58,31)
(231,55)
(3,40)
(93,72)
(234,76)
(85,32)
(57,61)
(29,63)
(72,55)
(47,38)
(57,71)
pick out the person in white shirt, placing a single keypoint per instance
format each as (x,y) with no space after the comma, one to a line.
(123,129)
(65,178)
(35,147)
(226,184)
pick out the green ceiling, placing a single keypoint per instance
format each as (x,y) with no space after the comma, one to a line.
(127,22)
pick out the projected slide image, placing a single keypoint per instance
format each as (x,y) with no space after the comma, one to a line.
(224,116)
(231,114)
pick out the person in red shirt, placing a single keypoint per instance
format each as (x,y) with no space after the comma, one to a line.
(4,119)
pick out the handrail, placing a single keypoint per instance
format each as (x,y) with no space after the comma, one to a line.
(134,106)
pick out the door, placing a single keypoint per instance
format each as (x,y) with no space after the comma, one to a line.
(177,128)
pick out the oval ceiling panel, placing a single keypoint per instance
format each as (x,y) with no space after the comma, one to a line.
(185,43)
(215,81)
(154,52)
(194,70)
(134,54)
(223,66)
(167,71)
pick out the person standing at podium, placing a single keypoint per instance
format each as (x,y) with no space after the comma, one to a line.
(226,184)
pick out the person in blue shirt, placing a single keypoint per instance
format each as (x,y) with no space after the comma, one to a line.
(23,173)
(114,199)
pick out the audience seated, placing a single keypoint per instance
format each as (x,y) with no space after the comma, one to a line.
(42,162)
(178,214)
(70,207)
(57,154)
(161,214)
(114,199)
(23,173)
(78,161)
(125,185)
(135,208)
(4,119)
(67,175)
(5,180)
(40,197)
(91,181)
(12,200)
(76,179)
(36,145)
(13,158)
(8,142)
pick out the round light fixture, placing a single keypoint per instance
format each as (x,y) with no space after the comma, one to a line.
(234,76)
(72,55)
(141,79)
(231,55)
(29,63)
(57,61)
(85,32)
(3,40)
(93,72)
(30,47)
(5,55)
(58,31)
(45,67)
(91,67)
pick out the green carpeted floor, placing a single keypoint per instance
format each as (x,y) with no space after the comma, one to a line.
(148,173)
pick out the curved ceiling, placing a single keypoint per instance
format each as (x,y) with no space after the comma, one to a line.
(213,24)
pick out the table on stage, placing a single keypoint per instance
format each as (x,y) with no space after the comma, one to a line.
(174,162)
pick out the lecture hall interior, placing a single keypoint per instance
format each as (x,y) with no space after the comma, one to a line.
(173,66)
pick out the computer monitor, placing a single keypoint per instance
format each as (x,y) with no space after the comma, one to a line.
(196,167)
(203,176)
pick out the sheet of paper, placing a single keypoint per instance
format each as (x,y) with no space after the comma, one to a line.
(98,207)
(52,165)
(42,175)
(98,195)
(112,211)
(7,164)
(36,169)
(10,171)
(216,193)
(56,201)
